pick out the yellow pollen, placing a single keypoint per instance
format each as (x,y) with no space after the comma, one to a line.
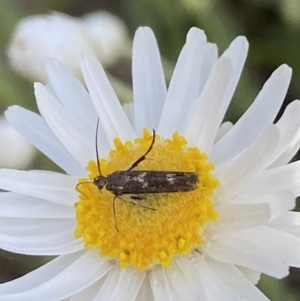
(147,237)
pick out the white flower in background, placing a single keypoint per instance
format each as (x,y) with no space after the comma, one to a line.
(211,243)
(65,38)
(110,35)
(15,151)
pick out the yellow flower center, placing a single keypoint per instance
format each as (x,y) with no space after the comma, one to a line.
(160,225)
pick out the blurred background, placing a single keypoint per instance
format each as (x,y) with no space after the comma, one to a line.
(271,26)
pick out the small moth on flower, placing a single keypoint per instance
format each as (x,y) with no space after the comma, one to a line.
(138,183)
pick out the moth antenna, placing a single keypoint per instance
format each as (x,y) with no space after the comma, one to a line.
(96,144)
(79,189)
(142,158)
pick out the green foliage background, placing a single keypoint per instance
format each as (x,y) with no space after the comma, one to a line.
(271,26)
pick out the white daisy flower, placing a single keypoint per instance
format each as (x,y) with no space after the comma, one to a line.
(15,151)
(100,34)
(209,243)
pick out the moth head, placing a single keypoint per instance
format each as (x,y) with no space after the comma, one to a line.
(100,181)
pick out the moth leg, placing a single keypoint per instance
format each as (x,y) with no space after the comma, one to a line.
(138,197)
(133,203)
(134,200)
(115,212)
(142,158)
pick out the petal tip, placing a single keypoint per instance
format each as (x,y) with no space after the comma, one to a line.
(195,34)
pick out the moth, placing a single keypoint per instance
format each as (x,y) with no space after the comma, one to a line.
(138,183)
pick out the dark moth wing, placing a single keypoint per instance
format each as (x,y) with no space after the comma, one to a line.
(148,181)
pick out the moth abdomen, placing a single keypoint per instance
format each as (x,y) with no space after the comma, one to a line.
(150,181)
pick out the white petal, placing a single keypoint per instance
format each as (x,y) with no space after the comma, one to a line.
(46,245)
(29,226)
(261,114)
(252,275)
(190,271)
(90,292)
(237,53)
(243,216)
(120,284)
(230,248)
(23,206)
(162,287)
(287,156)
(35,130)
(39,236)
(105,101)
(288,222)
(181,275)
(235,174)
(278,202)
(285,177)
(54,187)
(209,60)
(149,86)
(223,130)
(134,287)
(128,109)
(145,292)
(214,287)
(287,245)
(289,126)
(79,143)
(40,275)
(90,128)
(205,116)
(63,273)
(72,95)
(240,285)
(184,87)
